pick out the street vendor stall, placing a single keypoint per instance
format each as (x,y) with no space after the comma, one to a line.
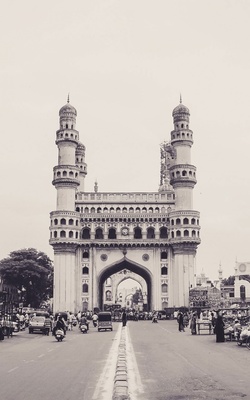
(204,325)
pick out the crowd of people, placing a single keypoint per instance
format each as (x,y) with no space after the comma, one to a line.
(218,321)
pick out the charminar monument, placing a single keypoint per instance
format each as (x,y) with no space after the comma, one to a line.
(102,238)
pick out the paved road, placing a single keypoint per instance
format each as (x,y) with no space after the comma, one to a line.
(163,364)
(38,367)
(177,365)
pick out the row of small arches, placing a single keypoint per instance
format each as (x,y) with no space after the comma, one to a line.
(183,173)
(64,174)
(93,210)
(182,135)
(63,221)
(185,221)
(181,126)
(112,234)
(150,233)
(186,233)
(61,135)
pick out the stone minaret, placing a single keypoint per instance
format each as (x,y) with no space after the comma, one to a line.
(68,177)
(184,221)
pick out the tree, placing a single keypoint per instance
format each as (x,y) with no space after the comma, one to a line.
(31,272)
(228,281)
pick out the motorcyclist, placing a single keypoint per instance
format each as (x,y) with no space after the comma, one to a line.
(84,321)
(60,324)
(95,319)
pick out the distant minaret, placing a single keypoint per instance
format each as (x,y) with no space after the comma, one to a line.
(220,272)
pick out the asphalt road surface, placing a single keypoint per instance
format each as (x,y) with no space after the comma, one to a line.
(163,364)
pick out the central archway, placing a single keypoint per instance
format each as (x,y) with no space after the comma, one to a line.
(125,263)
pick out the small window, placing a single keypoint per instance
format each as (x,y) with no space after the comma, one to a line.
(164,288)
(108,295)
(99,233)
(150,233)
(164,271)
(85,288)
(112,233)
(137,233)
(86,233)
(163,232)
(85,271)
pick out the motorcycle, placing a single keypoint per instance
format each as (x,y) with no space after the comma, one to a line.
(154,319)
(59,334)
(84,328)
(21,325)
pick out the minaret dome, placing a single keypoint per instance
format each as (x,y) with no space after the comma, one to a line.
(181,113)
(67,116)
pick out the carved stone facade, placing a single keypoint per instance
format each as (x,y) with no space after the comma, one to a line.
(153,235)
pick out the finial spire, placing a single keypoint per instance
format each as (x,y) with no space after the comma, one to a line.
(180,98)
(96,186)
(68,98)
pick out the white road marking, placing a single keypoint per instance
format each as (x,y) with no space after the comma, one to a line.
(105,384)
(13,369)
(135,385)
(41,355)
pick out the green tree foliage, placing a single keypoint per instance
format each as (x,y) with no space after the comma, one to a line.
(31,272)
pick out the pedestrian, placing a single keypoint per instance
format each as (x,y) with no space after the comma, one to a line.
(124,318)
(1,332)
(219,328)
(48,325)
(180,322)
(213,320)
(193,324)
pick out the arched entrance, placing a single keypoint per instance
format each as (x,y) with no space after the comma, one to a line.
(119,266)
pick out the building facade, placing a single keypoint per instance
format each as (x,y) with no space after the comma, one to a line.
(99,235)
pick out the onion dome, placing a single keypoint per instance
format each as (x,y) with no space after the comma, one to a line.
(181,112)
(80,148)
(67,109)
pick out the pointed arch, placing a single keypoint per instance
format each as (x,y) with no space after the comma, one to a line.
(118,266)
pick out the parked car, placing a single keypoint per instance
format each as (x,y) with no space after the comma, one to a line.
(37,324)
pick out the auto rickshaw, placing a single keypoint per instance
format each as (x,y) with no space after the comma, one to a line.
(104,321)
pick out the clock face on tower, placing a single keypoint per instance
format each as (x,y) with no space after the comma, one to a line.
(124,231)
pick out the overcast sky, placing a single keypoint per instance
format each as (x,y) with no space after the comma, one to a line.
(125,64)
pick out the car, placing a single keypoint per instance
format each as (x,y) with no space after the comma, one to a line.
(37,324)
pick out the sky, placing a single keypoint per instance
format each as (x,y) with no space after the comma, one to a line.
(125,64)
